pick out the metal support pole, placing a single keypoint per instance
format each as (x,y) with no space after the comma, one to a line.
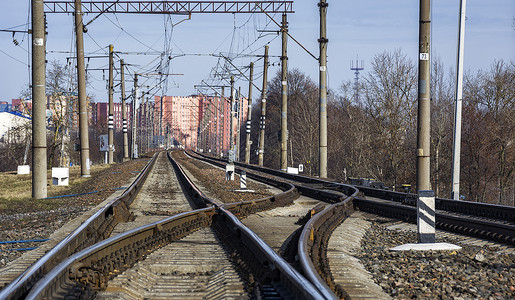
(39,152)
(323,90)
(263,112)
(134,106)
(231,133)
(83,104)
(124,114)
(424,97)
(249,116)
(110,120)
(457,112)
(284,96)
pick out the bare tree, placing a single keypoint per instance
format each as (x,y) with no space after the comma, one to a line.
(60,86)
(492,97)
(302,121)
(390,101)
(442,105)
(350,136)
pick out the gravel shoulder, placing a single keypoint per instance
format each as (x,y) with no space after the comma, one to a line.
(474,272)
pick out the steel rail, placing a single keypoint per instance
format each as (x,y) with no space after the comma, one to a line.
(313,239)
(320,226)
(486,210)
(119,251)
(461,224)
(85,235)
(291,278)
(154,234)
(402,206)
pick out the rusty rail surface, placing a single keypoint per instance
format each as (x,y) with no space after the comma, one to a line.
(95,229)
(90,269)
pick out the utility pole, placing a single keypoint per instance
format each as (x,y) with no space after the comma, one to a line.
(39,153)
(238,111)
(134,106)
(284,96)
(222,102)
(146,128)
(124,114)
(231,134)
(217,123)
(209,126)
(323,90)
(110,121)
(160,133)
(249,116)
(424,97)
(83,104)
(458,104)
(263,112)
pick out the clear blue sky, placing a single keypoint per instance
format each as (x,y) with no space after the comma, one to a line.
(363,28)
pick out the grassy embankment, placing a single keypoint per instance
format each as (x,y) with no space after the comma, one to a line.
(16,190)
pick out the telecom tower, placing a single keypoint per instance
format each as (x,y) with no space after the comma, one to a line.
(357,68)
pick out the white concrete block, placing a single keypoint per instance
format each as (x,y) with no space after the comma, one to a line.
(23,169)
(60,176)
(292,170)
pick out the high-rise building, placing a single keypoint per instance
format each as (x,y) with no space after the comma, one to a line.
(197,121)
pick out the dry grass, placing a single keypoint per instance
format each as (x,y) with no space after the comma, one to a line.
(16,189)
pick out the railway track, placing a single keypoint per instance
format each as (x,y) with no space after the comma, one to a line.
(265,273)
(274,251)
(345,276)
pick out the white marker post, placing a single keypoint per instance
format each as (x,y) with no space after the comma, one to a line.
(426,226)
(243,183)
(243,180)
(426,216)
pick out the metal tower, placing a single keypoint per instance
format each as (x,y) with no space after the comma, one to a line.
(357,68)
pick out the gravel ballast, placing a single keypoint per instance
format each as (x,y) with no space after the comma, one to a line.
(474,272)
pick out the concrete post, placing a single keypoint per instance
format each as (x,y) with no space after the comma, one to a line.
(110,121)
(83,104)
(323,90)
(134,106)
(39,152)
(217,124)
(424,97)
(124,114)
(284,95)
(263,112)
(239,112)
(222,104)
(231,116)
(249,116)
